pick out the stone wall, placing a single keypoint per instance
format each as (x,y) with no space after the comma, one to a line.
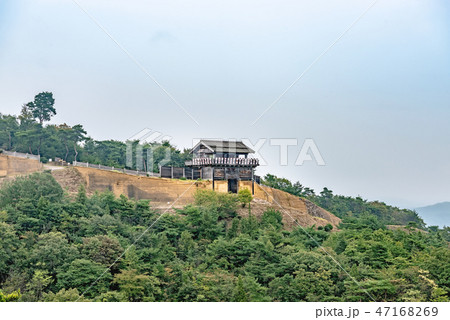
(164,192)
(161,191)
(14,166)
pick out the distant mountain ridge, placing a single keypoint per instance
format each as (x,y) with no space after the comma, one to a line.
(436,215)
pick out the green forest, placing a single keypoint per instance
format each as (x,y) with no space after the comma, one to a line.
(60,247)
(56,247)
(349,208)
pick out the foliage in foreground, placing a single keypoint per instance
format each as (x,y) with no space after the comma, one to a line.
(55,248)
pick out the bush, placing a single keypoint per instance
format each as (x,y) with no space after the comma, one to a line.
(31,187)
(245,196)
(225,204)
(272,217)
(14,296)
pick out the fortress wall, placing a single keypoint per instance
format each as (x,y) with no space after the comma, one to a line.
(163,192)
(245,185)
(13,166)
(221,185)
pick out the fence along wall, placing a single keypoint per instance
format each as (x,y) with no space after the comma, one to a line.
(185,172)
(107,168)
(20,155)
(204,173)
(165,172)
(175,172)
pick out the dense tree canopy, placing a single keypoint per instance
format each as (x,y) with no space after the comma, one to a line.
(347,208)
(56,247)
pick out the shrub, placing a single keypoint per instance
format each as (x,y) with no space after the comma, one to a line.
(32,187)
(14,296)
(225,204)
(245,196)
(272,217)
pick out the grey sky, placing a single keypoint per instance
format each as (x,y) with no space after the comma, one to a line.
(377,104)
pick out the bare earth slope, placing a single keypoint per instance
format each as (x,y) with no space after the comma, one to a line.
(296,211)
(168,193)
(165,192)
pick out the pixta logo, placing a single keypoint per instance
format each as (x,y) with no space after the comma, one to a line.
(308,150)
(305,150)
(135,145)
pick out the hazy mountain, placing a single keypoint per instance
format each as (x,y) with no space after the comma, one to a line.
(436,215)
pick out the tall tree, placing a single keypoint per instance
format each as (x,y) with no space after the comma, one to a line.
(78,135)
(65,133)
(42,106)
(28,137)
(8,127)
(42,109)
(25,117)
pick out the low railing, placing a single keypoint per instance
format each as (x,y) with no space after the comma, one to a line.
(107,168)
(21,155)
(251,162)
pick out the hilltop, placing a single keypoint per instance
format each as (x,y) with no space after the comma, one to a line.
(164,193)
(27,133)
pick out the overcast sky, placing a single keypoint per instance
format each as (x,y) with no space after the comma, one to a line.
(377,104)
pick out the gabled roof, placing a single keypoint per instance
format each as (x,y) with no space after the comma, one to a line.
(224,146)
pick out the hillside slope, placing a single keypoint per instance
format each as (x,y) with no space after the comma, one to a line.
(165,192)
(169,193)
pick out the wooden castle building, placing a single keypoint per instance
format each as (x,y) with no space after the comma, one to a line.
(226,163)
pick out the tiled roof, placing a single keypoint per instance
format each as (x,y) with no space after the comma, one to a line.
(224,146)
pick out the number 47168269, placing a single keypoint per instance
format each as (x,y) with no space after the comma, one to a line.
(408,311)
